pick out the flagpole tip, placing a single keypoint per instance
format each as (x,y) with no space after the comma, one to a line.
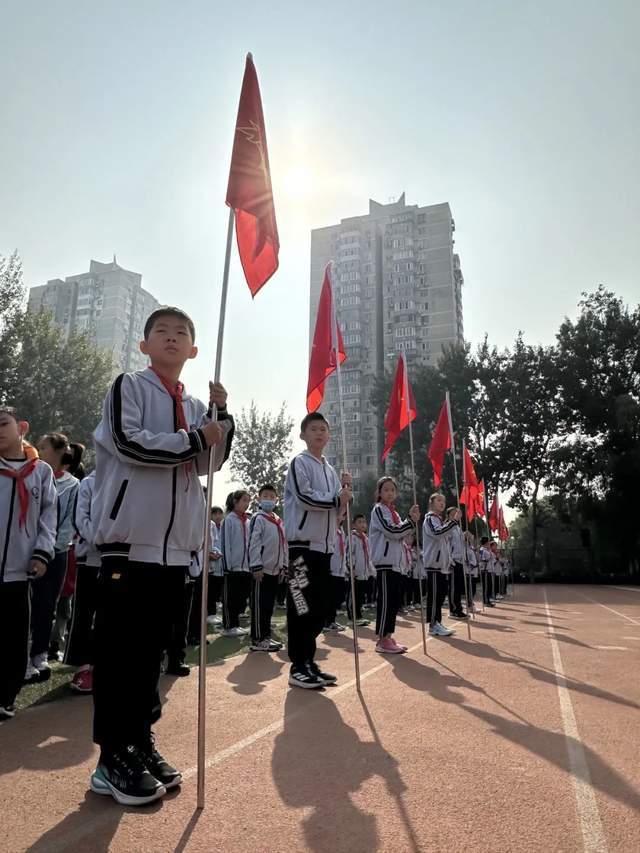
(250,56)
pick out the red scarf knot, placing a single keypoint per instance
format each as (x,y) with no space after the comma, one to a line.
(23,493)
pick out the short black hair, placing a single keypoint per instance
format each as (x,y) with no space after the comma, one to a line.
(216,509)
(359,515)
(310,418)
(484,540)
(11,411)
(268,487)
(169,311)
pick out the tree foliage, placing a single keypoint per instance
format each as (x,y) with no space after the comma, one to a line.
(545,423)
(56,384)
(262,448)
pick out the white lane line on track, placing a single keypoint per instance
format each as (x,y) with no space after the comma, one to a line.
(593,836)
(606,607)
(277,725)
(625,588)
(612,648)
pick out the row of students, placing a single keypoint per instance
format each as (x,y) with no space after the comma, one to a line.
(147,517)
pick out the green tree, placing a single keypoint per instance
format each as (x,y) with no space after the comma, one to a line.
(56,385)
(262,449)
(12,299)
(599,382)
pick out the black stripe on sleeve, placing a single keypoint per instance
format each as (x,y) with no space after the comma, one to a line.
(134,450)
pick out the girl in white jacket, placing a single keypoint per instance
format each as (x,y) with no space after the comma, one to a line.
(436,555)
(386,534)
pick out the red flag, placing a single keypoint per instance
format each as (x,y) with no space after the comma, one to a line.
(503,530)
(402,406)
(480,501)
(440,443)
(326,339)
(470,487)
(249,188)
(494,511)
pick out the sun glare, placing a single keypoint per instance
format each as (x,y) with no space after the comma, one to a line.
(298,180)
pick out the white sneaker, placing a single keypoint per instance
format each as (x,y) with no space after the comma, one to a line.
(40,662)
(214,620)
(261,646)
(234,632)
(32,674)
(442,631)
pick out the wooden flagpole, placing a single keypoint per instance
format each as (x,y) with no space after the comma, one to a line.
(352,577)
(423,618)
(455,473)
(202,663)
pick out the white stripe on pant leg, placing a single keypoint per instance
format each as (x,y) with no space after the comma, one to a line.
(434,590)
(588,815)
(383,609)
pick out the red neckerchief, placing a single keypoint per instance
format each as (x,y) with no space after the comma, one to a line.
(175,392)
(365,544)
(341,542)
(243,521)
(394,515)
(59,474)
(274,519)
(23,493)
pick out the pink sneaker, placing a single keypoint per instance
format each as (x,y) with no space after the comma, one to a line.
(388,646)
(400,645)
(82,682)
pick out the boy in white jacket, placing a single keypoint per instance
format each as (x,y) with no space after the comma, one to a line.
(28,520)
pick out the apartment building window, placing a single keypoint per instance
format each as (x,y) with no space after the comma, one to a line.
(403,346)
(351,339)
(405,331)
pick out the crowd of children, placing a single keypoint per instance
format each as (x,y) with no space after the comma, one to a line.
(110,563)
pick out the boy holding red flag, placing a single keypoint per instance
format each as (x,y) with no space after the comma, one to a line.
(148,509)
(313,498)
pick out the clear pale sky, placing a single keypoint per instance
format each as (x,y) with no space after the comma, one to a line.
(117,122)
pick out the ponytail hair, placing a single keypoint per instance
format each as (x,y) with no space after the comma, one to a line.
(233,498)
(73,458)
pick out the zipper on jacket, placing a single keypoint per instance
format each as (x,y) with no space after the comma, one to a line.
(173,515)
(118,501)
(174,480)
(326,539)
(6,543)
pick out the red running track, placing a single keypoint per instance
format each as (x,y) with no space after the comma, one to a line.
(523,739)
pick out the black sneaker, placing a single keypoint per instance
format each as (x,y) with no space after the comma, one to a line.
(325,677)
(124,775)
(179,669)
(159,766)
(301,677)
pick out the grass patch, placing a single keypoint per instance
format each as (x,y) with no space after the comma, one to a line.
(219,648)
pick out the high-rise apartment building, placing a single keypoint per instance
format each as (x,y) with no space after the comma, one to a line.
(397,288)
(109,302)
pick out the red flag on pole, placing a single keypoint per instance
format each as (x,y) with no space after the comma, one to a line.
(470,490)
(402,407)
(249,189)
(503,530)
(440,443)
(480,501)
(494,513)
(326,339)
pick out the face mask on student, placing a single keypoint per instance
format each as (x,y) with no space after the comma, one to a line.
(267,506)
